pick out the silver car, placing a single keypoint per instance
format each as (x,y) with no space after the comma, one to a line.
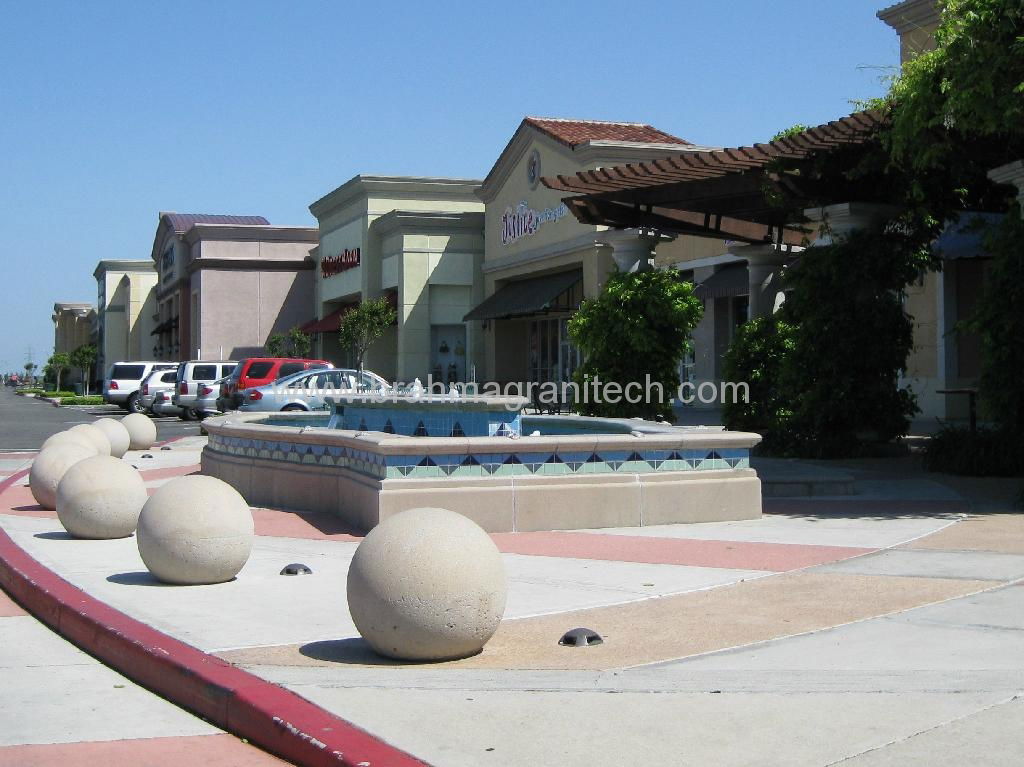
(156,382)
(124,381)
(192,376)
(164,405)
(207,395)
(306,390)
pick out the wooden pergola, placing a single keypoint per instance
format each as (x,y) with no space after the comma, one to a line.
(736,194)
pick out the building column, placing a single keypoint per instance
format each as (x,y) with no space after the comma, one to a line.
(836,222)
(763,262)
(1011,173)
(632,249)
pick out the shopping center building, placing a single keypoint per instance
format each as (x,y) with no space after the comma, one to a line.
(417,242)
(226,284)
(539,261)
(126,303)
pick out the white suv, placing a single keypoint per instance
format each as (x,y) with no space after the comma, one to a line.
(123,381)
(192,376)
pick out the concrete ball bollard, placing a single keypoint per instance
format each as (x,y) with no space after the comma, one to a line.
(69,437)
(116,434)
(427,585)
(49,467)
(194,530)
(94,435)
(141,431)
(101,497)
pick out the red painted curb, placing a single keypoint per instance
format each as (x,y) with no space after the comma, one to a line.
(245,705)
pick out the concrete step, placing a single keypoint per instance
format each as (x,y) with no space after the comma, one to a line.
(790,478)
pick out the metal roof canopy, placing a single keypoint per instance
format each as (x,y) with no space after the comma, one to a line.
(718,193)
(525,297)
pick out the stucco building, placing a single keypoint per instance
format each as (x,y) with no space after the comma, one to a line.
(73,326)
(419,243)
(226,284)
(539,261)
(126,303)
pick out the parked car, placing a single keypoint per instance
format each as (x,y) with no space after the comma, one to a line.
(192,375)
(307,390)
(163,405)
(207,398)
(124,379)
(157,381)
(259,371)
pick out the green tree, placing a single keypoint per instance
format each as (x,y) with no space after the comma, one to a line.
(29,369)
(275,345)
(365,324)
(299,343)
(59,362)
(83,358)
(638,326)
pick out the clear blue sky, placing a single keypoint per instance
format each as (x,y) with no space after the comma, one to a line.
(113,111)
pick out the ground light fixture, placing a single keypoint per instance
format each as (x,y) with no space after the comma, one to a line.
(580,637)
(296,568)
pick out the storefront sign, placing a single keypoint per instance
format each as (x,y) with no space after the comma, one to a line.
(523,221)
(347,259)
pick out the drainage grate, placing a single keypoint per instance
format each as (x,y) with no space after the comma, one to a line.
(580,637)
(296,568)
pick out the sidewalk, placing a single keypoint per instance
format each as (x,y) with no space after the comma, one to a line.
(882,628)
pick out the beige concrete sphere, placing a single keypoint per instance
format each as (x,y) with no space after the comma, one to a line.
(101,497)
(69,437)
(49,467)
(195,529)
(94,435)
(117,435)
(141,431)
(427,584)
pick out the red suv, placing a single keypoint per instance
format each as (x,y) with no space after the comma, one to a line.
(259,371)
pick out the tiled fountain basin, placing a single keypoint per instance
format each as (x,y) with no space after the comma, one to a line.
(651,475)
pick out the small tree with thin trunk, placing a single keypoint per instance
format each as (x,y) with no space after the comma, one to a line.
(275,345)
(364,325)
(299,342)
(59,362)
(29,368)
(83,358)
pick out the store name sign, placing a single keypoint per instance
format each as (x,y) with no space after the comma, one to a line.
(523,221)
(347,259)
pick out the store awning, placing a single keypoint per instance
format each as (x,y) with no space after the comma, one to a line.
(964,239)
(329,323)
(730,280)
(524,297)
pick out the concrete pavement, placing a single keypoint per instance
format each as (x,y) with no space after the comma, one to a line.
(874,629)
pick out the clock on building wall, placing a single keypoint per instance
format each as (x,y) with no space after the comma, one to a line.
(533,169)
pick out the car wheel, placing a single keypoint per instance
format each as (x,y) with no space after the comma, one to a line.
(293,407)
(133,405)
(187,414)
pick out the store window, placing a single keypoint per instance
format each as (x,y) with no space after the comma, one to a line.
(553,357)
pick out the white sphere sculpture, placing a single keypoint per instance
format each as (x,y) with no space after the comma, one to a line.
(195,529)
(117,435)
(49,467)
(427,584)
(141,431)
(94,435)
(101,497)
(69,437)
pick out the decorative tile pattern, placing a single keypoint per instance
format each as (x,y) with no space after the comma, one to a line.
(433,422)
(504,464)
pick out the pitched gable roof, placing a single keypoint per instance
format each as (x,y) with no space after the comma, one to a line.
(182,222)
(575,132)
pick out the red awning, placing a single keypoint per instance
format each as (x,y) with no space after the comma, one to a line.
(329,324)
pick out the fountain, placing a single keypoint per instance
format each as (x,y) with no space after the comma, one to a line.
(373,456)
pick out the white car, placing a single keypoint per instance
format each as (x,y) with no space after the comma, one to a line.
(192,376)
(207,394)
(156,382)
(124,379)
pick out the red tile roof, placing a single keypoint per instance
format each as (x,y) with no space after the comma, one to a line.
(575,132)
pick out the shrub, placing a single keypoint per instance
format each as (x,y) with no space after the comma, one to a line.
(982,453)
(58,394)
(757,355)
(90,400)
(638,326)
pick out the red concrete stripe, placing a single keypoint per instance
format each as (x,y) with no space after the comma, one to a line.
(775,557)
(274,718)
(300,524)
(208,750)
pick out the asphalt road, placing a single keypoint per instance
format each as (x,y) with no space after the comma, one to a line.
(26,422)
